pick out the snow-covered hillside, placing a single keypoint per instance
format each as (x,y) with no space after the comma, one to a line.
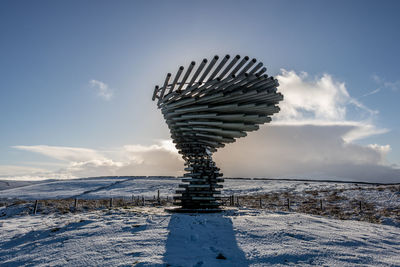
(236,237)
(378,203)
(102,187)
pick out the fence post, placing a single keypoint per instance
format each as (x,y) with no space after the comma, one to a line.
(142,200)
(158,196)
(288,204)
(35,207)
(237,201)
(260,203)
(320,204)
(111,202)
(75,203)
(360,206)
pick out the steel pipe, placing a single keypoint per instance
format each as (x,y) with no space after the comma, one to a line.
(178,74)
(241,63)
(248,66)
(219,67)
(165,86)
(212,63)
(186,76)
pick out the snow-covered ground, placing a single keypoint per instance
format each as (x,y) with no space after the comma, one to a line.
(8,184)
(101,187)
(239,236)
(152,237)
(340,198)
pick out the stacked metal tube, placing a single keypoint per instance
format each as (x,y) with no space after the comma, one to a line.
(215,107)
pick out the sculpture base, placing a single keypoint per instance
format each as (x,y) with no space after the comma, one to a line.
(199,192)
(183,210)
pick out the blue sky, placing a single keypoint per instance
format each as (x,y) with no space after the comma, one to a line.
(50,51)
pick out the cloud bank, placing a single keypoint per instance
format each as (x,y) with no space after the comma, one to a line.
(306,151)
(158,159)
(311,137)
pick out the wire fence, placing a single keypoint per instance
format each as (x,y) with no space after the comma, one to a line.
(331,204)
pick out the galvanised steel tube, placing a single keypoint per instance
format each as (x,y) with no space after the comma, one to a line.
(212,63)
(241,63)
(228,68)
(186,76)
(248,66)
(262,71)
(219,67)
(165,86)
(199,69)
(176,79)
(256,68)
(155,93)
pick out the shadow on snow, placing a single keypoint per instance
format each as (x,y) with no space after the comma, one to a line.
(202,240)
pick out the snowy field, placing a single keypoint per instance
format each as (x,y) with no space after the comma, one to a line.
(129,235)
(236,237)
(382,200)
(102,187)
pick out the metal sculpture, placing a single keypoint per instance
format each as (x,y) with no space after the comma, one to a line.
(212,108)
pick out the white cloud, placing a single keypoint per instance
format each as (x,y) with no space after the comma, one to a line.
(72,154)
(322,101)
(158,159)
(26,173)
(361,130)
(392,85)
(315,100)
(6,170)
(103,90)
(372,92)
